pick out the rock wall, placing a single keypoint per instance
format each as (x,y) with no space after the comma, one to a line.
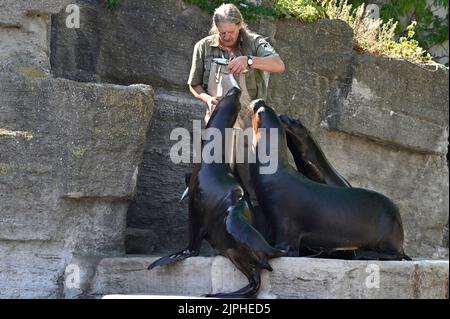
(141,42)
(69,158)
(382,122)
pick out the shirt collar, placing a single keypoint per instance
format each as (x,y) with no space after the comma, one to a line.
(215,40)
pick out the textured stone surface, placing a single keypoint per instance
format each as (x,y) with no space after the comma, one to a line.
(81,141)
(139,240)
(78,275)
(140,42)
(291,278)
(161,182)
(14,12)
(31,269)
(68,169)
(128,275)
(318,58)
(396,102)
(25,32)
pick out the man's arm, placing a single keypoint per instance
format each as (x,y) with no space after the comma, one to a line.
(272,63)
(199,92)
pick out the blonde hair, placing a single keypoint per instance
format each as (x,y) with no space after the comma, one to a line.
(229,13)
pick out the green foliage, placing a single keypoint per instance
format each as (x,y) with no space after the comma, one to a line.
(376,36)
(409,48)
(112,4)
(249,10)
(303,10)
(431,29)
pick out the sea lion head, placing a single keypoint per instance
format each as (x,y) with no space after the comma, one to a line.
(226,112)
(268,127)
(264,116)
(295,127)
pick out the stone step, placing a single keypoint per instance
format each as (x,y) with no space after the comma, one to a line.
(292,278)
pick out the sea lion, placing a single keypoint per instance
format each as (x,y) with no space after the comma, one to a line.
(311,161)
(308,156)
(304,213)
(219,212)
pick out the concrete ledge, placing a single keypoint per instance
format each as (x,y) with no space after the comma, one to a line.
(292,278)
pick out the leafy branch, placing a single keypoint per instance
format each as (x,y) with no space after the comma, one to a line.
(112,4)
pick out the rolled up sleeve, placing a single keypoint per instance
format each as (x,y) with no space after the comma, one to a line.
(196,73)
(264,48)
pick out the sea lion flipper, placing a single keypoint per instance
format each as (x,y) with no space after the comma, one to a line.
(187,179)
(185,194)
(239,227)
(173,258)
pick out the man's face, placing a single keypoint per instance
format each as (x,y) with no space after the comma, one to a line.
(228,33)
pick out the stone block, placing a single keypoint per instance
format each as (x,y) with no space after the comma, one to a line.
(69,154)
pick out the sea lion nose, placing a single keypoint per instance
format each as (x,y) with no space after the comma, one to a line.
(234,90)
(283,118)
(257,104)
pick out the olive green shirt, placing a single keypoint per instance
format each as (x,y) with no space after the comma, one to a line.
(205,49)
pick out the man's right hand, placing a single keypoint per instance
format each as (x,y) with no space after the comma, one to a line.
(213,101)
(199,92)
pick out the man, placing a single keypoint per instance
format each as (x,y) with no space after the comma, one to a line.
(249,56)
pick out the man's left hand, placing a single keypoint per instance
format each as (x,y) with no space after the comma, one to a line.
(238,65)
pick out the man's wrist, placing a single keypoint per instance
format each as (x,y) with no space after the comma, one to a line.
(204,97)
(249,61)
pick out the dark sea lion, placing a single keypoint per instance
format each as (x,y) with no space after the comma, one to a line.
(303,213)
(219,212)
(311,161)
(308,156)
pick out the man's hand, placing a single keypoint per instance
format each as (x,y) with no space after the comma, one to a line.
(213,101)
(238,65)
